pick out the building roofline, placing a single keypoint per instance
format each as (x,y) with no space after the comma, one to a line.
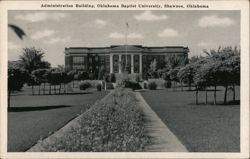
(112,46)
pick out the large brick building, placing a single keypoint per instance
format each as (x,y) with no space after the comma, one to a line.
(113,59)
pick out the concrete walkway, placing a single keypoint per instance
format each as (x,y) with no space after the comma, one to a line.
(163,140)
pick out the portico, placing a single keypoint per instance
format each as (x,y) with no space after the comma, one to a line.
(133,62)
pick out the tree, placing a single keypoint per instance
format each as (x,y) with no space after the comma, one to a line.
(65,79)
(17,30)
(173,75)
(172,67)
(227,67)
(186,74)
(55,79)
(152,69)
(16,79)
(32,59)
(193,59)
(175,61)
(101,73)
(39,77)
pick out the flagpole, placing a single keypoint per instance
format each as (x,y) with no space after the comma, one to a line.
(126,44)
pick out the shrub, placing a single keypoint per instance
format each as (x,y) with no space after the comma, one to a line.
(132,85)
(145,85)
(99,87)
(109,86)
(159,82)
(152,85)
(84,85)
(81,75)
(107,78)
(112,78)
(122,79)
(114,124)
(91,76)
(16,78)
(167,84)
(137,78)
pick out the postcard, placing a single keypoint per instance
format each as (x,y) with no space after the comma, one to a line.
(124,79)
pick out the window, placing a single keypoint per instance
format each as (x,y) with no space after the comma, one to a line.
(116,63)
(79,62)
(107,62)
(136,63)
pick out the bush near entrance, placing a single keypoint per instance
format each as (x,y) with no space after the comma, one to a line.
(152,85)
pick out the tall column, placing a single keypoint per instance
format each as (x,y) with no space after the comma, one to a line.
(111,63)
(120,63)
(140,63)
(132,63)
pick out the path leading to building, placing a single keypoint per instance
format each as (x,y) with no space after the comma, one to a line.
(163,140)
(36,117)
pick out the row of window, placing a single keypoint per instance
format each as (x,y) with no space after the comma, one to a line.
(95,62)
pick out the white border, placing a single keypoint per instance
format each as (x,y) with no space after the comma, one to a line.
(213,5)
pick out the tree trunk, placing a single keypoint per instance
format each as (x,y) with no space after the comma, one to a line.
(234,92)
(172,85)
(54,89)
(50,89)
(43,88)
(9,93)
(60,88)
(181,87)
(215,102)
(189,86)
(196,96)
(206,95)
(64,88)
(39,89)
(225,95)
(73,83)
(32,88)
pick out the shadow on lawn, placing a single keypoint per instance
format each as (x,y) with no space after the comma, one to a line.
(73,93)
(22,109)
(208,90)
(235,103)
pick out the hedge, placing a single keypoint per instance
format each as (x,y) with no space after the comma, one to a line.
(152,85)
(115,124)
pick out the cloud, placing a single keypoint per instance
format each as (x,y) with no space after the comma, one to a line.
(100,23)
(40,16)
(149,16)
(13,46)
(42,34)
(168,33)
(135,36)
(57,40)
(116,35)
(203,44)
(215,21)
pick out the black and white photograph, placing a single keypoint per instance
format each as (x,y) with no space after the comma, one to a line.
(140,80)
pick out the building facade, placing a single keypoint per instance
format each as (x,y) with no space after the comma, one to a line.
(135,58)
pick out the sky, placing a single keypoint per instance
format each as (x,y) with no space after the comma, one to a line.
(52,31)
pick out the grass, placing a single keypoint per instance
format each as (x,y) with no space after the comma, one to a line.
(34,117)
(114,124)
(201,128)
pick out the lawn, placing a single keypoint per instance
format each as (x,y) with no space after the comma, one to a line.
(34,117)
(201,128)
